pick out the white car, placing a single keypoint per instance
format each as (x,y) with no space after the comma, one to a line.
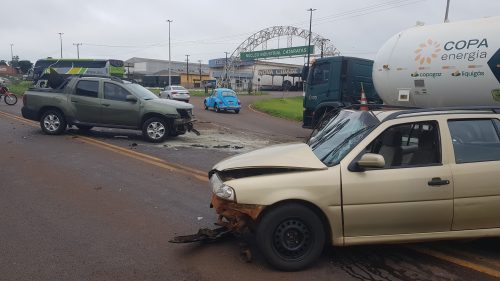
(175,93)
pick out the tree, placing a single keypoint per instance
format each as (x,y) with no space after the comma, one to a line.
(25,66)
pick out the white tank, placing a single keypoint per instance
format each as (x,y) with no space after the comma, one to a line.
(449,64)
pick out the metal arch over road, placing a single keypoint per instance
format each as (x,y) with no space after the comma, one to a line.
(261,37)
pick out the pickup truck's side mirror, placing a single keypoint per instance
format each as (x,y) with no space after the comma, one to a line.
(371,160)
(131,98)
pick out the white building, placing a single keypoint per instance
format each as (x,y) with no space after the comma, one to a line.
(264,75)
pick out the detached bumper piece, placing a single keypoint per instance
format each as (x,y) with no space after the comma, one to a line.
(191,128)
(203,235)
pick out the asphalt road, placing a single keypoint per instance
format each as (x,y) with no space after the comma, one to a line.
(102,206)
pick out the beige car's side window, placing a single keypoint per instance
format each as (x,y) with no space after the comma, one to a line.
(409,145)
(475,140)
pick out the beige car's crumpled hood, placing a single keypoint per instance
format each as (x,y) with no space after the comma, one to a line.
(296,156)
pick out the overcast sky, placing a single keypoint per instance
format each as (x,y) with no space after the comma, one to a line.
(206,29)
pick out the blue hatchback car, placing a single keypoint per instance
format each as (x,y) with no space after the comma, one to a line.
(223,99)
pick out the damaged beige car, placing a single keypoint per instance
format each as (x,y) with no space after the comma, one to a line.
(366,177)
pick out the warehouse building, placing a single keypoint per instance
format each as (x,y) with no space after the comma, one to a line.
(154,72)
(247,75)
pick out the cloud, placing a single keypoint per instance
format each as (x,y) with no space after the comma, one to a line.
(206,29)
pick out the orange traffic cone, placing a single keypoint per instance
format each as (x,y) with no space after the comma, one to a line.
(363,101)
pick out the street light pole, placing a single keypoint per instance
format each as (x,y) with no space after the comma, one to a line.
(187,69)
(309,45)
(11,52)
(60,39)
(225,70)
(447,9)
(77,49)
(169,57)
(200,72)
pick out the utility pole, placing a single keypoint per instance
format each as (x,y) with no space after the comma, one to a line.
(77,49)
(169,57)
(11,52)
(309,45)
(323,44)
(60,39)
(447,9)
(200,71)
(225,68)
(187,69)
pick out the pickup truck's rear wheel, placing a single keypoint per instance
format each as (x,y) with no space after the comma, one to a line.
(155,129)
(53,122)
(291,237)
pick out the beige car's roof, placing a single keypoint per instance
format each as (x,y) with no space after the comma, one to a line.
(382,115)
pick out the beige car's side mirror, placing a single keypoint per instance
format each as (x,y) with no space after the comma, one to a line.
(371,160)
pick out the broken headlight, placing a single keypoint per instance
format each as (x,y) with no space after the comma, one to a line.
(220,189)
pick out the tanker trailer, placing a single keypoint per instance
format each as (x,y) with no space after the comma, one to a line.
(449,64)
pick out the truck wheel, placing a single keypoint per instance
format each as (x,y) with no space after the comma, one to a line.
(53,122)
(291,237)
(155,129)
(216,108)
(236,111)
(84,127)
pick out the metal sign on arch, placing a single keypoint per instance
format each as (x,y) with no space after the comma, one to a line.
(261,37)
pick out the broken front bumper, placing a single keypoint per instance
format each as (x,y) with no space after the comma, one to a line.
(235,217)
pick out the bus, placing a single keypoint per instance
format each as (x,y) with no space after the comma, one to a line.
(68,67)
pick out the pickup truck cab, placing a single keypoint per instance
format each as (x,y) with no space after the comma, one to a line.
(367,177)
(88,102)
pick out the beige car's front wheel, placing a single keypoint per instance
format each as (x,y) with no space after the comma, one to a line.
(291,236)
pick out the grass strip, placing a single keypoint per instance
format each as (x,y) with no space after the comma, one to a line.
(288,108)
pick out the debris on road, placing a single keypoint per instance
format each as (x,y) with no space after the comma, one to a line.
(203,235)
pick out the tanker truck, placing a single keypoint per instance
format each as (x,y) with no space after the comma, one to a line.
(449,64)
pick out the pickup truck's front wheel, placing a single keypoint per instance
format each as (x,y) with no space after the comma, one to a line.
(53,122)
(155,129)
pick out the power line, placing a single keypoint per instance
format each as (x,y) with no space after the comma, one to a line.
(374,8)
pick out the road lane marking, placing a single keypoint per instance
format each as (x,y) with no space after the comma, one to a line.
(197,174)
(17,118)
(455,260)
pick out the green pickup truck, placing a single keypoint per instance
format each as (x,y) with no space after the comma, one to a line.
(88,102)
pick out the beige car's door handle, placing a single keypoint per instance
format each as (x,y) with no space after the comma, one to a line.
(438,182)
